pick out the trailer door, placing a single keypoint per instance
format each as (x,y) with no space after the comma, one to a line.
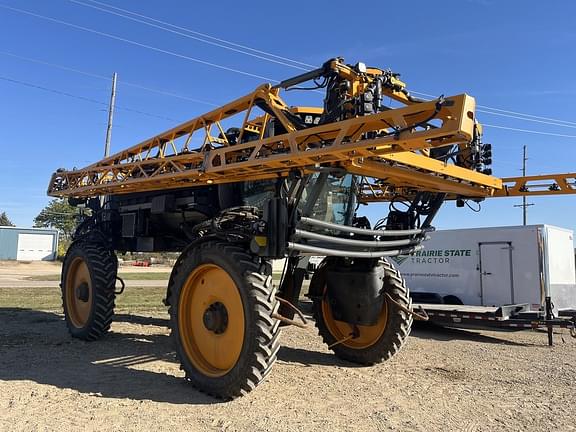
(496,277)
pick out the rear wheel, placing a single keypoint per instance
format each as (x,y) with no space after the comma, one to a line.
(359,343)
(221,308)
(88,278)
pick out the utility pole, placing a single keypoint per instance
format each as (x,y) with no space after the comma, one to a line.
(109,127)
(110,116)
(524,204)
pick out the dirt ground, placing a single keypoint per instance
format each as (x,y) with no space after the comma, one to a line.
(442,380)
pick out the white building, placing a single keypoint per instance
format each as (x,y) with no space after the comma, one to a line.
(28,244)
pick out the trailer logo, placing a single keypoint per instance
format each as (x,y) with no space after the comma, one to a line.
(399,259)
(434,256)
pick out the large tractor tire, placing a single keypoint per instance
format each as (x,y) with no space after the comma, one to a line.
(360,344)
(88,280)
(221,304)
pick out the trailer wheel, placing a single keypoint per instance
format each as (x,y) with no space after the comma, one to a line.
(365,345)
(87,283)
(221,307)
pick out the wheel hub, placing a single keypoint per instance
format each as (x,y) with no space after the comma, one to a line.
(82,292)
(216,318)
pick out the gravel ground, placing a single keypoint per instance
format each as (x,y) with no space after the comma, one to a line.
(442,380)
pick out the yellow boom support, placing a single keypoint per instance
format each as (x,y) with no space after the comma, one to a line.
(390,149)
(371,190)
(167,160)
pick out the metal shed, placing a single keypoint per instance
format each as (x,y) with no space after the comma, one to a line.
(28,244)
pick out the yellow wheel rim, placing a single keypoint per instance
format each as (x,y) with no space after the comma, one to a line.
(78,294)
(367,335)
(211,320)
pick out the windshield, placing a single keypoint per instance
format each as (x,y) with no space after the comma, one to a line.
(329,198)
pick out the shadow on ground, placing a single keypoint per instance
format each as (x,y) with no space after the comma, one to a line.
(35,346)
(287,354)
(446,334)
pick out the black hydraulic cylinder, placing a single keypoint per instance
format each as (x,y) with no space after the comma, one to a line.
(307,76)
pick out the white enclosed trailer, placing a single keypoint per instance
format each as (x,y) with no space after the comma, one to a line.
(494,267)
(515,277)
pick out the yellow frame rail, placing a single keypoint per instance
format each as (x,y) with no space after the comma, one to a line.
(547,184)
(371,190)
(167,160)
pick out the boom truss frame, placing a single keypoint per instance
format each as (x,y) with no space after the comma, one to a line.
(397,151)
(390,150)
(372,191)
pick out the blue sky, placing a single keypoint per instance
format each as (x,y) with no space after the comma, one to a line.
(509,55)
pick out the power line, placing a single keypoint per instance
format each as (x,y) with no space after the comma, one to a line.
(515,115)
(125,11)
(83,98)
(171,94)
(54,65)
(554,123)
(164,23)
(499,112)
(131,42)
(58,92)
(528,131)
(254,75)
(166,93)
(219,66)
(161,27)
(94,75)
(204,35)
(528,115)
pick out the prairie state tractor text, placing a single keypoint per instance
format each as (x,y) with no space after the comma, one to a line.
(439,256)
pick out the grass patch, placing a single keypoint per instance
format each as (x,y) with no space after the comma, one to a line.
(128,276)
(31,298)
(125,276)
(133,299)
(42,298)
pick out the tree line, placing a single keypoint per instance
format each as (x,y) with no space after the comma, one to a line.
(58,214)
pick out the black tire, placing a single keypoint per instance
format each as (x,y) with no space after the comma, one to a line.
(101,265)
(259,347)
(397,323)
(452,300)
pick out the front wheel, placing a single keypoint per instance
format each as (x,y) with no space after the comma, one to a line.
(221,305)
(88,278)
(364,344)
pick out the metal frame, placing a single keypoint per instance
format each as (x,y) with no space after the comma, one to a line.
(397,153)
(389,149)
(549,184)
(509,317)
(371,190)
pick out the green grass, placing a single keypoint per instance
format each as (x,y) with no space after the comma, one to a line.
(30,298)
(41,298)
(125,276)
(132,300)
